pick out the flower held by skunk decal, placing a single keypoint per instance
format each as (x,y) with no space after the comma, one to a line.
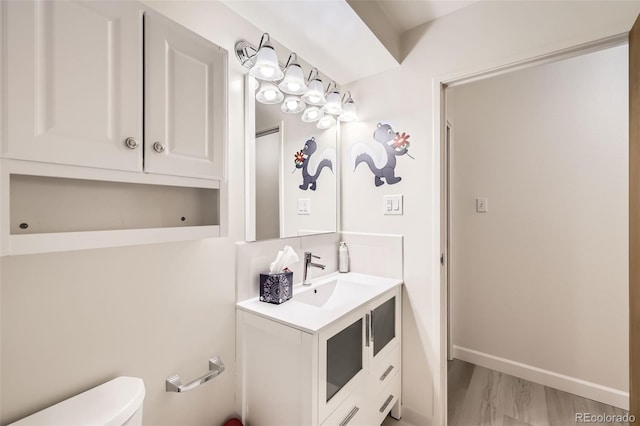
(381,156)
(312,164)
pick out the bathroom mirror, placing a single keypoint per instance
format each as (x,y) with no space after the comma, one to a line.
(291,172)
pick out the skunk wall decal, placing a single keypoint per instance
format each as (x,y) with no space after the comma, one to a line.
(312,165)
(381,156)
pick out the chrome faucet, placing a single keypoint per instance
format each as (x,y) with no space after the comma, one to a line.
(308,262)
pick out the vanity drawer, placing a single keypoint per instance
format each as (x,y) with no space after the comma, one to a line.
(384,368)
(385,400)
(352,412)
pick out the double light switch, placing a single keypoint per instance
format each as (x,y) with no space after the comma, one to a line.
(392,204)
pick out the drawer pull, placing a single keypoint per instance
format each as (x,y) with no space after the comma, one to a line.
(349,416)
(367,328)
(384,406)
(386,373)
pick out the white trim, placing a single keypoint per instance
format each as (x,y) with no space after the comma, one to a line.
(3,78)
(545,58)
(371,234)
(249,158)
(67,241)
(584,388)
(281,222)
(35,168)
(448,154)
(439,314)
(5,211)
(439,84)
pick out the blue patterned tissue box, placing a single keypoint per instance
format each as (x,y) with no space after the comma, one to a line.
(276,288)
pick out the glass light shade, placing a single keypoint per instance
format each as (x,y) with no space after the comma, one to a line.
(311,114)
(269,94)
(348,112)
(293,82)
(292,105)
(266,66)
(326,122)
(333,105)
(315,93)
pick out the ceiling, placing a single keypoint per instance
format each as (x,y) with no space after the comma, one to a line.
(408,14)
(346,39)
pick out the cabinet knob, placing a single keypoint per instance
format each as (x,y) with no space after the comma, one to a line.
(131,143)
(158,147)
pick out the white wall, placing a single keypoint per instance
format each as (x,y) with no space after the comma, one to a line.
(70,321)
(543,275)
(474,39)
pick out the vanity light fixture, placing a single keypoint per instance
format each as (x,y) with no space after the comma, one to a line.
(292,105)
(269,94)
(348,109)
(312,114)
(334,103)
(293,82)
(315,90)
(324,106)
(266,66)
(326,122)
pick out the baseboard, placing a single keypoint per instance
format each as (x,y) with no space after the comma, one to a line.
(586,389)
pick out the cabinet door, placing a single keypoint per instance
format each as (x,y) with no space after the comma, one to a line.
(343,362)
(73,82)
(185,101)
(385,324)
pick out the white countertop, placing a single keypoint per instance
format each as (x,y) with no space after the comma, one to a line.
(312,319)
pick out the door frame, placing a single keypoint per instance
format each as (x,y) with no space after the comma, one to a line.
(634,219)
(442,211)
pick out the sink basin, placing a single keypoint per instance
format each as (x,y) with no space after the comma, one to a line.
(334,293)
(317,296)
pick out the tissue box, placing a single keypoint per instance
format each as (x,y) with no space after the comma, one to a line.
(276,288)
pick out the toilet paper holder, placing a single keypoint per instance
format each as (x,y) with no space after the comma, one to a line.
(174,384)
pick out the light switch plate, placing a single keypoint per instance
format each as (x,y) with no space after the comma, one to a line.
(481,205)
(304,206)
(392,204)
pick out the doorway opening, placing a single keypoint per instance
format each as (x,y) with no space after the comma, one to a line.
(529,263)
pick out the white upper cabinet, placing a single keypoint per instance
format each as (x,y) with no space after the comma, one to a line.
(73,83)
(185,98)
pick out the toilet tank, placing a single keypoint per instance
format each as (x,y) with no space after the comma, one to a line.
(115,403)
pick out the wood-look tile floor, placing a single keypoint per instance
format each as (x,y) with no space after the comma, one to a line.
(482,397)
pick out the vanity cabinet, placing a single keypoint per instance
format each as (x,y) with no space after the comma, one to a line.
(77,72)
(347,373)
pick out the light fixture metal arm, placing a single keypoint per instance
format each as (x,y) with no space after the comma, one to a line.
(313,74)
(329,89)
(293,58)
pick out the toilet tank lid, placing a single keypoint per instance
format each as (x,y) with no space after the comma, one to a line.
(111,403)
